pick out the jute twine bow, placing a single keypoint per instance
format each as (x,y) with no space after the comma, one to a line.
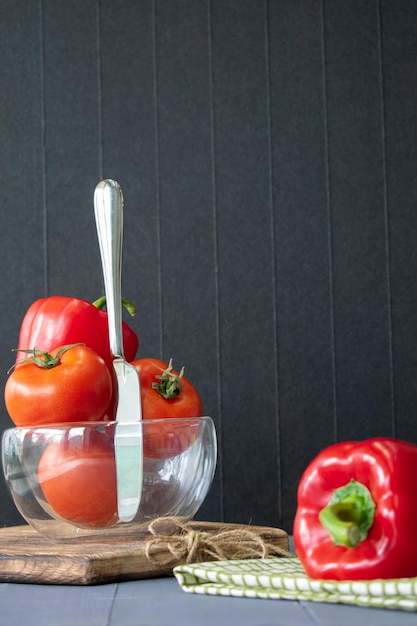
(174,542)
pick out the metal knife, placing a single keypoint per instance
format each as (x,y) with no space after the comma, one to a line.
(108,209)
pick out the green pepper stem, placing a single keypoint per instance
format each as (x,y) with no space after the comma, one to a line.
(100,303)
(336,519)
(349,514)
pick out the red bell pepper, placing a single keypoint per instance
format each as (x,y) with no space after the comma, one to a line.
(59,320)
(355,515)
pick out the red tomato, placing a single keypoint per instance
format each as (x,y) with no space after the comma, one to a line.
(181,399)
(78,479)
(77,388)
(163,440)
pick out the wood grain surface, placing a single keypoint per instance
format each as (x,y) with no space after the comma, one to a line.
(28,557)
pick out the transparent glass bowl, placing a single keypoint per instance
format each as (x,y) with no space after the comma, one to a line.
(62,477)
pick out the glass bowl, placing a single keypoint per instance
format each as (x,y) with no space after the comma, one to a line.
(62,477)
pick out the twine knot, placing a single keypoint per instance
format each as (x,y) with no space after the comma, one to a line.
(173,542)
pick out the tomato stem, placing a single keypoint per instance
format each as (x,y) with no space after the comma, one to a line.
(170,385)
(44,359)
(349,514)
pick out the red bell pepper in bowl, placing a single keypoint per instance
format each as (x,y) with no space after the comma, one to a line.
(356,507)
(60,320)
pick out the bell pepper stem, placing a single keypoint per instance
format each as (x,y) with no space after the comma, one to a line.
(349,514)
(100,303)
(344,531)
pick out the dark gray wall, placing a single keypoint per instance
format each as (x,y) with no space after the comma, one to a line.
(267,153)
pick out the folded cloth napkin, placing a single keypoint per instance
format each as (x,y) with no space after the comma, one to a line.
(284,578)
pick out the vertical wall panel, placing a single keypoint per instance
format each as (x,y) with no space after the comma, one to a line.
(185,180)
(364,393)
(186,201)
(246,272)
(127,105)
(302,240)
(399,53)
(72,145)
(22,234)
(266,149)
(22,162)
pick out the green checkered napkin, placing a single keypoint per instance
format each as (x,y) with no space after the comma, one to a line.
(284,578)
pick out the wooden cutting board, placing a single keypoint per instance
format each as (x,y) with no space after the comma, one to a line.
(28,557)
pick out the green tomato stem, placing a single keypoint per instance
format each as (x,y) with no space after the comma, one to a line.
(170,384)
(44,359)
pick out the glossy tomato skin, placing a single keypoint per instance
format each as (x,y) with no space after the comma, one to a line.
(154,405)
(78,389)
(78,480)
(165,440)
